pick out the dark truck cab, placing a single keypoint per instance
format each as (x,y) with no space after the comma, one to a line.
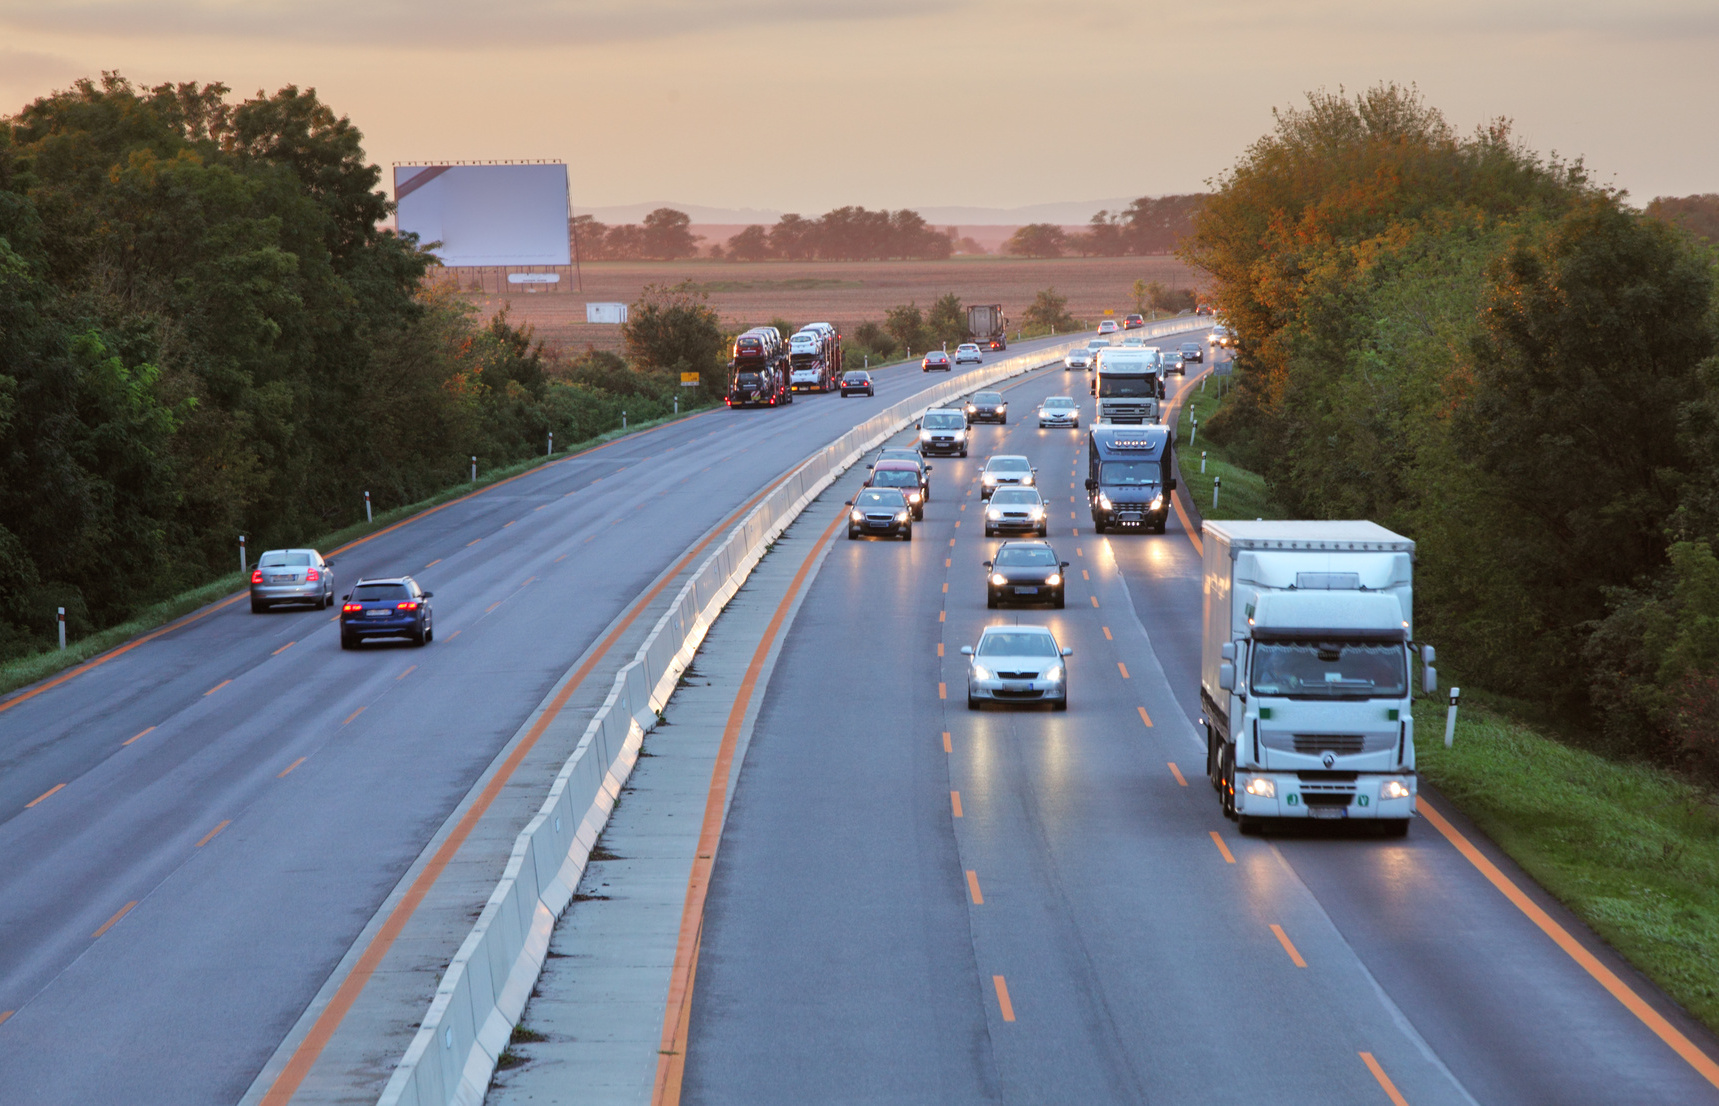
(1130,473)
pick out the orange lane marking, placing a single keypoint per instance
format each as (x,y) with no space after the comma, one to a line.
(1288,946)
(963,506)
(434,563)
(942,690)
(940,648)
(1606,978)
(1144,717)
(1071,514)
(1003,1003)
(411,668)
(210,836)
(946,747)
(1074,531)
(473,542)
(353,715)
(43,795)
(677,1014)
(1177,772)
(107,925)
(1229,858)
(1107,636)
(492,606)
(541,506)
(283,648)
(951,542)
(508,523)
(973,888)
(957,526)
(322,1031)
(528,580)
(455,634)
(4,1014)
(1124,669)
(1094,599)
(134,737)
(216,688)
(945,587)
(289,768)
(940,615)
(561,558)
(955,802)
(1390,1088)
(1077,552)
(1083,575)
(946,563)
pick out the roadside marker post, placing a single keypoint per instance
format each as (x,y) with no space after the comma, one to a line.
(1194,434)
(244,565)
(1202,462)
(551,452)
(1217,481)
(60,617)
(1450,717)
(367,517)
(474,470)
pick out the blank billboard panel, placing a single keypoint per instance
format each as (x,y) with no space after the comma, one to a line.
(486,214)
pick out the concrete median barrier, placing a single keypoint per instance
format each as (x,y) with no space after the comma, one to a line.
(483,993)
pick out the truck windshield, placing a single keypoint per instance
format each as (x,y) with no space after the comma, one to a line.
(1128,473)
(1330,669)
(1110,385)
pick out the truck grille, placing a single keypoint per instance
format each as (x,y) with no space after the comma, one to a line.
(1343,744)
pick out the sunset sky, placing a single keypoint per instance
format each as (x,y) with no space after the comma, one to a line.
(803,105)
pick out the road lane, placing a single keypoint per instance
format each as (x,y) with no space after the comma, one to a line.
(1150,952)
(330,769)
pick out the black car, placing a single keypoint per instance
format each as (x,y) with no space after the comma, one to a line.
(1193,351)
(394,607)
(1024,572)
(856,382)
(880,513)
(987,407)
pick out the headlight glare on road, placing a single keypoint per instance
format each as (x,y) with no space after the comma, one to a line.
(999,579)
(1394,789)
(1264,788)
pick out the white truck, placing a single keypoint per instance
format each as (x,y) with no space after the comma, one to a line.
(1128,382)
(1305,671)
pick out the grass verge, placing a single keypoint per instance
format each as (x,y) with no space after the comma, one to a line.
(26,670)
(1241,494)
(1632,850)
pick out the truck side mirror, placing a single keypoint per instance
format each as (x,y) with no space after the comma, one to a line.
(1227,676)
(1429,680)
(1171,486)
(1428,655)
(1227,650)
(966,650)
(1091,483)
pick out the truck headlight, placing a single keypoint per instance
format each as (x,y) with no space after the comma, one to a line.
(999,579)
(1394,789)
(1103,502)
(1157,502)
(1263,788)
(857,515)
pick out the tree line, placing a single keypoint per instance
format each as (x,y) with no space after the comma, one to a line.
(204,333)
(1487,351)
(1149,225)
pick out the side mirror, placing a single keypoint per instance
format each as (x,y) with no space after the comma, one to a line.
(1429,680)
(347,598)
(330,564)
(987,564)
(1227,676)
(1171,486)
(1428,655)
(1067,651)
(871,466)
(966,650)
(1227,650)
(1091,483)
(1064,564)
(429,594)
(927,468)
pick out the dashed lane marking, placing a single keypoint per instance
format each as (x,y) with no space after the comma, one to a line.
(1229,857)
(973,888)
(411,668)
(1389,1087)
(43,795)
(1107,636)
(135,736)
(508,523)
(528,580)
(1094,599)
(1083,575)
(107,925)
(283,648)
(434,563)
(940,615)
(942,690)
(951,543)
(1177,772)
(289,768)
(1144,717)
(945,584)
(492,606)
(1124,670)
(1003,1003)
(216,688)
(940,648)
(946,747)
(4,1014)
(473,542)
(955,802)
(1288,946)
(210,836)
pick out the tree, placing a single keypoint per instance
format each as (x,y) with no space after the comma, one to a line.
(906,324)
(946,322)
(792,238)
(751,244)
(1699,215)
(1036,240)
(1049,311)
(672,329)
(666,235)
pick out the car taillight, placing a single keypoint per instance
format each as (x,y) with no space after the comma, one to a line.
(256,576)
(347,608)
(312,576)
(409,605)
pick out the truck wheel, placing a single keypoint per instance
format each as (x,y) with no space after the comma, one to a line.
(1394,827)
(1249,826)
(1098,525)
(1227,790)
(1212,757)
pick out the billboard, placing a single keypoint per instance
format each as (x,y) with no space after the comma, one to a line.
(486,214)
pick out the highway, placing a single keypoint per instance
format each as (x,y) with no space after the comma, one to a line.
(914,902)
(194,832)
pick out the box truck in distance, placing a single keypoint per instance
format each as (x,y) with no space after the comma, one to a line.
(1306,661)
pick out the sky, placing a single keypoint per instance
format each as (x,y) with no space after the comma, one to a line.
(805,105)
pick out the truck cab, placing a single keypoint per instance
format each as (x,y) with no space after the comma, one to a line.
(1130,473)
(1128,382)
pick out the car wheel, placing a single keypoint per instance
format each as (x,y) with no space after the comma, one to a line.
(907,535)
(1098,525)
(1044,531)
(259,607)
(1058,601)
(1004,421)
(851,534)
(347,641)
(990,533)
(1061,704)
(972,703)
(990,601)
(963,453)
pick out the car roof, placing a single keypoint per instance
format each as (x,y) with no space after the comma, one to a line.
(1036,543)
(1007,457)
(968,345)
(884,491)
(893,464)
(987,392)
(383,580)
(1049,398)
(1006,628)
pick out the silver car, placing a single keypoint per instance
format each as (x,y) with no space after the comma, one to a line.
(1016,509)
(1005,469)
(1059,411)
(292,576)
(1017,664)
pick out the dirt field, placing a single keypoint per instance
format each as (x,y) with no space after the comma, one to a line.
(846,293)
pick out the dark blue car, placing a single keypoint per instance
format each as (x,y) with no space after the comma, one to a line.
(395,607)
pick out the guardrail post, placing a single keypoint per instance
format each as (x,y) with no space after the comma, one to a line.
(1450,717)
(60,617)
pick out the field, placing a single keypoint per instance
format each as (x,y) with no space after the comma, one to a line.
(846,293)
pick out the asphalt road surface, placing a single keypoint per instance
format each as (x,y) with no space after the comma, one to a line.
(914,902)
(194,833)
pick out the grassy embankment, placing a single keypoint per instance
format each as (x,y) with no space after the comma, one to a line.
(26,670)
(1631,849)
(1241,494)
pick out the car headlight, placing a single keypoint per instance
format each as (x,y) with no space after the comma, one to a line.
(1028,480)
(901,516)
(993,515)
(1036,512)
(999,579)
(989,479)
(1053,579)
(971,409)
(960,435)
(1157,502)
(1054,673)
(1103,502)
(913,497)
(857,516)
(1264,788)
(925,435)
(980,672)
(1394,789)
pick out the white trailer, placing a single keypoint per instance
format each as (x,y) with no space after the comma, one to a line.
(1306,666)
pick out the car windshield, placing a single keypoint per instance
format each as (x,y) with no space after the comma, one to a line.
(895,478)
(1110,384)
(1016,556)
(1011,643)
(1129,473)
(371,593)
(1190,347)
(969,346)
(880,499)
(943,420)
(987,397)
(857,378)
(284,560)
(1009,464)
(1330,669)
(908,455)
(1098,343)
(1060,401)
(1004,497)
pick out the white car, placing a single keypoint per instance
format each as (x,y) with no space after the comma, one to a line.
(1017,664)
(1093,345)
(1109,326)
(1005,470)
(1078,359)
(967,351)
(1059,411)
(1018,509)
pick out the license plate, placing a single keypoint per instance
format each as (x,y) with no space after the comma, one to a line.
(1328,812)
(1026,591)
(1017,685)
(281,580)
(377,614)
